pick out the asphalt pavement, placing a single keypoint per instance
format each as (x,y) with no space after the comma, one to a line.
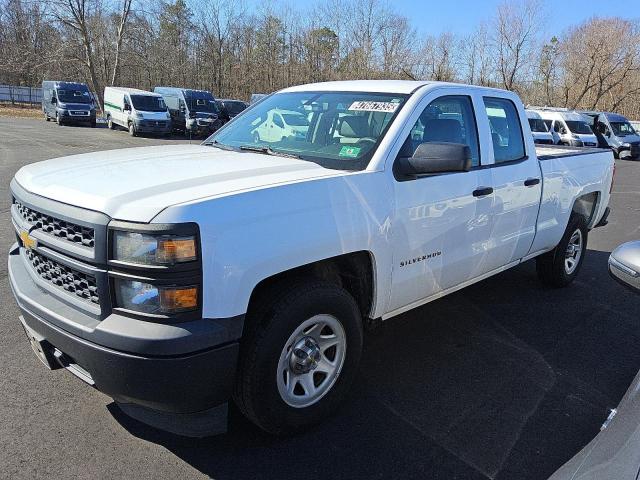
(503,380)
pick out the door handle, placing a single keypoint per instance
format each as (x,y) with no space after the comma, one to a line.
(530,182)
(482,191)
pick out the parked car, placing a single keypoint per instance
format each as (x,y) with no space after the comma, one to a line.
(614,453)
(68,103)
(541,133)
(136,110)
(193,112)
(231,108)
(570,126)
(281,124)
(256,97)
(185,275)
(618,133)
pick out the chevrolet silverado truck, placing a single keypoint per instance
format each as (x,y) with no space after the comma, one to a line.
(176,278)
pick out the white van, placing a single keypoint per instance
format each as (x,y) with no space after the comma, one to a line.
(539,130)
(281,124)
(571,127)
(136,110)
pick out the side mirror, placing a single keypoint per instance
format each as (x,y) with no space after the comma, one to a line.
(624,265)
(435,157)
(563,131)
(54,100)
(126,108)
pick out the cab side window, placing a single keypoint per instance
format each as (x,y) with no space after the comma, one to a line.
(506,130)
(277,119)
(447,119)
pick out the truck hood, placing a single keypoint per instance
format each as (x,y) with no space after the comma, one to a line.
(135,184)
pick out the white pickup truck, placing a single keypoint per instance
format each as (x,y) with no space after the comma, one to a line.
(174,278)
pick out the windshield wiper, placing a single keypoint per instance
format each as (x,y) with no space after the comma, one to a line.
(219,145)
(268,151)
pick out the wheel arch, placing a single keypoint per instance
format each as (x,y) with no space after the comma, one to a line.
(354,271)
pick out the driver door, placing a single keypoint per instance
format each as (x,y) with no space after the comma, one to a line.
(442,222)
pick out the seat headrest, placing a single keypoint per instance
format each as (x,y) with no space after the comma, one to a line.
(442,130)
(354,126)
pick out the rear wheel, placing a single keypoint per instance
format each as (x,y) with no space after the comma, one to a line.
(110,123)
(299,356)
(560,266)
(46,117)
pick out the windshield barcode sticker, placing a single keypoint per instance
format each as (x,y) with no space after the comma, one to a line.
(388,107)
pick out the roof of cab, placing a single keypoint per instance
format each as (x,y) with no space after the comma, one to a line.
(134,90)
(403,87)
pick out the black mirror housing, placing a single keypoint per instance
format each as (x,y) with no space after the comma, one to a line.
(435,157)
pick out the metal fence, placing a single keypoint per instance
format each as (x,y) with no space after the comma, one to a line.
(20,95)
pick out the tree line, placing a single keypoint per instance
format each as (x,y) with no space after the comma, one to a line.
(233,50)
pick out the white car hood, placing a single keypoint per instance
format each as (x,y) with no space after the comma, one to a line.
(135,184)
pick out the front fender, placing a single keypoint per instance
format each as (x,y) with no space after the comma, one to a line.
(253,235)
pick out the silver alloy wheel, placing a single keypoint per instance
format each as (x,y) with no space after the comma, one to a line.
(573,253)
(311,360)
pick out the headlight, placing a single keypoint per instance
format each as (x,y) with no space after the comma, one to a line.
(626,145)
(149,249)
(155,299)
(138,115)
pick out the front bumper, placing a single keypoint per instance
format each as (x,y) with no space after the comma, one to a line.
(153,126)
(180,368)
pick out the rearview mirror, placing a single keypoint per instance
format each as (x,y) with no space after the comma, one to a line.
(624,265)
(435,157)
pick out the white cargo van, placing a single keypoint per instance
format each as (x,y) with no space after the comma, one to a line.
(539,130)
(136,110)
(571,127)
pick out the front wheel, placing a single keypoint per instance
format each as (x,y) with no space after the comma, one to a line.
(299,356)
(132,129)
(59,120)
(560,266)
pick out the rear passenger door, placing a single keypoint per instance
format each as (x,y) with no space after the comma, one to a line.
(517,184)
(442,221)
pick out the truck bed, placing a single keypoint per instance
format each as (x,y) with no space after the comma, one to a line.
(546,152)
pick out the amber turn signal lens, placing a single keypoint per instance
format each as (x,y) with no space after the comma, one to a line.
(174,250)
(178,299)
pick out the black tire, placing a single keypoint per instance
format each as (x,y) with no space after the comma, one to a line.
(270,324)
(110,124)
(132,129)
(46,117)
(93,124)
(59,120)
(551,266)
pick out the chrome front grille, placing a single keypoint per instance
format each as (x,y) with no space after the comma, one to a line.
(77,283)
(58,228)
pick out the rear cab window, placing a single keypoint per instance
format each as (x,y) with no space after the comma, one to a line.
(506,129)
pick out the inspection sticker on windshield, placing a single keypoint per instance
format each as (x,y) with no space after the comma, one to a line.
(388,107)
(351,152)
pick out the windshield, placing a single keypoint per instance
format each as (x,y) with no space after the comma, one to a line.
(538,125)
(148,103)
(74,96)
(335,129)
(200,101)
(295,119)
(234,107)
(576,126)
(622,129)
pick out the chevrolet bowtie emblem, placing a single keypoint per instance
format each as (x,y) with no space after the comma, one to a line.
(28,241)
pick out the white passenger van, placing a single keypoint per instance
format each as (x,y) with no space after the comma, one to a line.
(539,130)
(136,110)
(571,127)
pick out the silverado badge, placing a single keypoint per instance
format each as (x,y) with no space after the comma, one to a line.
(28,241)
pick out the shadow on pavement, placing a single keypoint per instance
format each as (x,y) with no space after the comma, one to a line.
(505,379)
